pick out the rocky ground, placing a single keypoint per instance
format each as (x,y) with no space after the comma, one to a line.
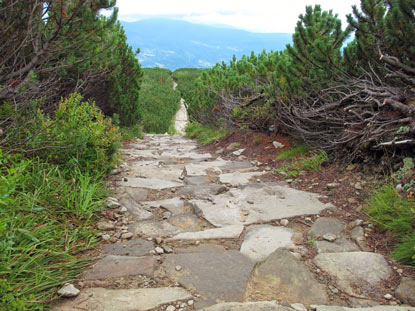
(216,229)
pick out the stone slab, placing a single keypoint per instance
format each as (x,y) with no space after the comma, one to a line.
(174,205)
(172,173)
(153,229)
(149,183)
(233,166)
(135,209)
(248,306)
(185,155)
(283,277)
(406,291)
(325,225)
(361,270)
(338,246)
(257,203)
(201,168)
(218,276)
(137,194)
(136,247)
(198,192)
(187,222)
(202,248)
(142,299)
(262,240)
(112,266)
(196,180)
(238,178)
(229,232)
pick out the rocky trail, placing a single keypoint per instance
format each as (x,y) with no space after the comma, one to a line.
(187,230)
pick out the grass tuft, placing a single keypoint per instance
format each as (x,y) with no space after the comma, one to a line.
(205,134)
(396,216)
(299,150)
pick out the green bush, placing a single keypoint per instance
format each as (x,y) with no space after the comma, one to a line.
(81,137)
(397,216)
(205,134)
(294,152)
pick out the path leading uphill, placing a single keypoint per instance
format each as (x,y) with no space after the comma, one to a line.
(188,230)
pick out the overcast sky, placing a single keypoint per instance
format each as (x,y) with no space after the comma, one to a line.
(252,15)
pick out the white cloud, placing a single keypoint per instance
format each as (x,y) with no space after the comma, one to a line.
(252,15)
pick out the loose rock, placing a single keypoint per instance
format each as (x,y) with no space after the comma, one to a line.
(68,290)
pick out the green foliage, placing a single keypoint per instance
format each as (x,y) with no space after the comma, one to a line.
(81,137)
(397,216)
(132,132)
(159,102)
(408,164)
(309,163)
(205,134)
(294,152)
(45,220)
(186,81)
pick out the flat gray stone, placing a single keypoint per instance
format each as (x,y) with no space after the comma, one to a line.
(187,222)
(248,306)
(238,178)
(338,246)
(406,291)
(362,270)
(154,229)
(113,266)
(267,202)
(137,194)
(262,240)
(201,168)
(163,172)
(204,192)
(217,276)
(229,232)
(185,155)
(376,308)
(283,277)
(202,248)
(174,205)
(135,209)
(325,225)
(233,166)
(149,183)
(136,247)
(142,299)
(196,180)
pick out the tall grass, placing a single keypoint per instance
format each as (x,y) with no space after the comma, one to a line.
(294,152)
(396,215)
(204,134)
(45,221)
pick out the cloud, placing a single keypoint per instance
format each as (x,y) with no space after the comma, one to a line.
(258,15)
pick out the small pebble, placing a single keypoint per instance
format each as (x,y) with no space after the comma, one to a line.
(388,296)
(191,302)
(167,249)
(400,271)
(197,243)
(171,308)
(284,222)
(330,237)
(68,290)
(159,240)
(159,250)
(106,237)
(127,235)
(178,268)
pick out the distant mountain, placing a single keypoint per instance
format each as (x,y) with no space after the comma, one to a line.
(176,44)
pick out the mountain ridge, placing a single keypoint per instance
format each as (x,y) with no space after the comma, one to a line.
(174,44)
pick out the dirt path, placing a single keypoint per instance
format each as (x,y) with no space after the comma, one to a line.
(190,231)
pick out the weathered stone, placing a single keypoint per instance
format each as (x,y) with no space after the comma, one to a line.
(356,269)
(149,183)
(113,266)
(270,202)
(68,290)
(406,291)
(142,299)
(135,209)
(154,228)
(236,166)
(338,246)
(238,178)
(201,168)
(248,306)
(174,205)
(136,247)
(277,145)
(171,172)
(188,222)
(105,226)
(196,180)
(218,276)
(325,225)
(358,235)
(298,307)
(283,277)
(205,192)
(202,248)
(137,194)
(262,240)
(185,155)
(228,232)
(238,152)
